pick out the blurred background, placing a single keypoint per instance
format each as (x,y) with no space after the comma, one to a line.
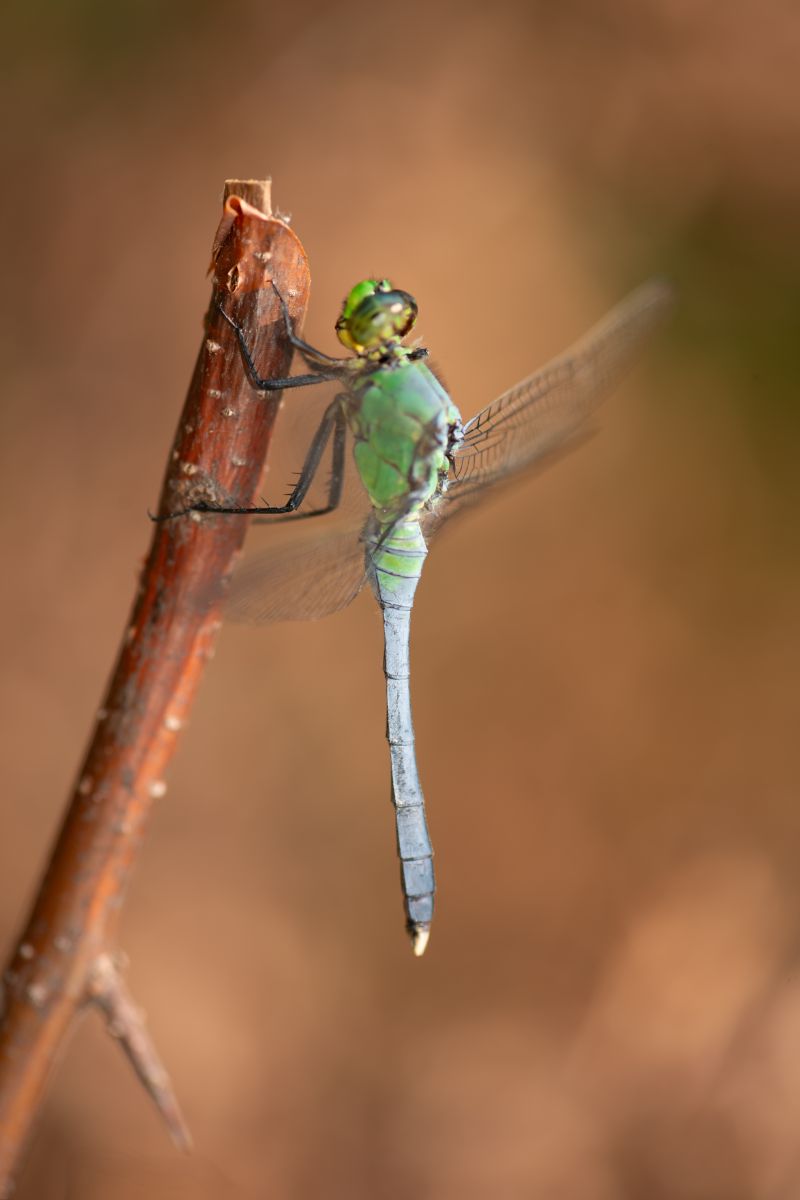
(605,660)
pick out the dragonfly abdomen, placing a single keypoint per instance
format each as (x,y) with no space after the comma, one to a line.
(394,567)
(394,562)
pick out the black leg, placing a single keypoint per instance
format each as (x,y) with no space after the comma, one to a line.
(314,357)
(337,464)
(333,418)
(336,484)
(268,385)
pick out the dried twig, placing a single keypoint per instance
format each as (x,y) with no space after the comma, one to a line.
(65,959)
(108,990)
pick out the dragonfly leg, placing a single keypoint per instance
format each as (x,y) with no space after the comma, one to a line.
(258,382)
(336,483)
(337,464)
(333,419)
(314,357)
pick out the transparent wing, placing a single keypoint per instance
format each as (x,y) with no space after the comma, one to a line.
(543,416)
(299,568)
(299,581)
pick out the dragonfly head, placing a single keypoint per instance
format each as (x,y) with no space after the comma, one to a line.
(375,314)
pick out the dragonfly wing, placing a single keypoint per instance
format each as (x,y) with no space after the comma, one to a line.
(543,417)
(297,568)
(299,581)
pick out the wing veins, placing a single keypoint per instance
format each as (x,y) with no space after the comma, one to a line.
(543,413)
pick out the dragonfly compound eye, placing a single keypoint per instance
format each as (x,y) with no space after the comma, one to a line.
(374,317)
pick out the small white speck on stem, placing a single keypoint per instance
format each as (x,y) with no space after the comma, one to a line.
(36,994)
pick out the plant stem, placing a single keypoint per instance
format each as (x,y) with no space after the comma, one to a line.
(65,959)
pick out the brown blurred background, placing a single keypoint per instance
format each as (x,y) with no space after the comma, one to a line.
(605,660)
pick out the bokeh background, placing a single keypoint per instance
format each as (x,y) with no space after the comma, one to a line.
(605,660)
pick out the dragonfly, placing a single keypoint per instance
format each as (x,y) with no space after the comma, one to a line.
(418,464)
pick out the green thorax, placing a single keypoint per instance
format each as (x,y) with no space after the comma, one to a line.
(401,419)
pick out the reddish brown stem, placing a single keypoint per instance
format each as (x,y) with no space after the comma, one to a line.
(63,961)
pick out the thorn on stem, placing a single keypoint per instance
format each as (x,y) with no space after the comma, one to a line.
(108,990)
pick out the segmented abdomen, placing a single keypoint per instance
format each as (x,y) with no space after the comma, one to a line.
(395,565)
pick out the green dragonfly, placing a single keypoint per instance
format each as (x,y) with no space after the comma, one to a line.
(418,465)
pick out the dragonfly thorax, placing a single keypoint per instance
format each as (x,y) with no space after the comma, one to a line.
(375,317)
